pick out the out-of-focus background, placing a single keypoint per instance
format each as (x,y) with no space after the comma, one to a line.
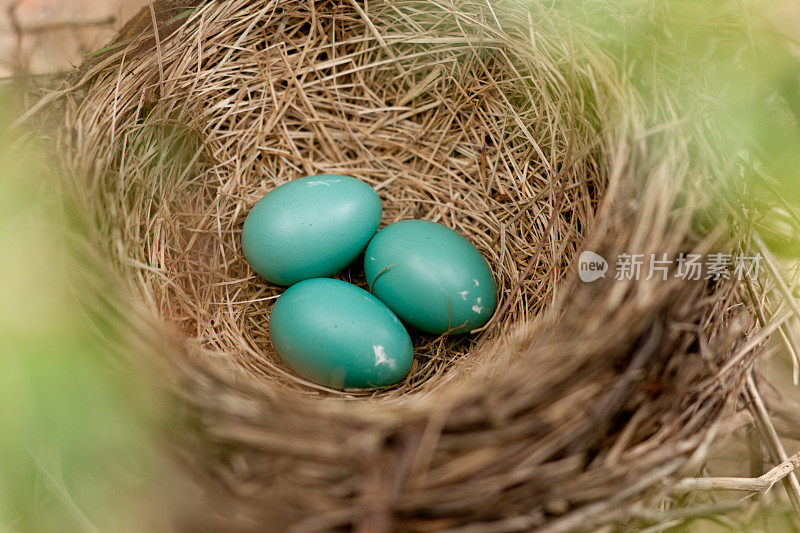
(46,36)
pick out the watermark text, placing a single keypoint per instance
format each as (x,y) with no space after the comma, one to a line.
(661,266)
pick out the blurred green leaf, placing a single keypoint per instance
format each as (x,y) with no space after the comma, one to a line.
(724,70)
(75,441)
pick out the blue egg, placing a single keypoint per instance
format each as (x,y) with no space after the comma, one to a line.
(309,228)
(433,278)
(339,335)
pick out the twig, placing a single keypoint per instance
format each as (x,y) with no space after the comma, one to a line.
(759,484)
(772,440)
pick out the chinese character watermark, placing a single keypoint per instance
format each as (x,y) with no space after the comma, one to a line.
(696,267)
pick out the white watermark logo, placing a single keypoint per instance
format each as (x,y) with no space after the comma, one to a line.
(591,266)
(716,266)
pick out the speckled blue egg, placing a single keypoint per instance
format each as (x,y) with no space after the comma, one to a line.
(339,335)
(433,278)
(309,228)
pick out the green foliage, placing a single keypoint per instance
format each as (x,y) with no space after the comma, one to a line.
(74,443)
(728,76)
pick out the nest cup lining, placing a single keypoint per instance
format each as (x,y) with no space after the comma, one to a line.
(445,123)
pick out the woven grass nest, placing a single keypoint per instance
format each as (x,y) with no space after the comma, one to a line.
(565,412)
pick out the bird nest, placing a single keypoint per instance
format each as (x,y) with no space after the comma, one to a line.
(575,401)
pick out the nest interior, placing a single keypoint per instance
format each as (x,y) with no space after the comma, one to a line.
(446,127)
(487,118)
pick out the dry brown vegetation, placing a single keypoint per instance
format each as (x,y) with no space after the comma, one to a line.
(566,412)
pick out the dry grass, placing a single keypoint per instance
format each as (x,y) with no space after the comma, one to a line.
(574,403)
(437,134)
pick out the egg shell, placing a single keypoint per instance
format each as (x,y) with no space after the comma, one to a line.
(309,228)
(433,278)
(339,335)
